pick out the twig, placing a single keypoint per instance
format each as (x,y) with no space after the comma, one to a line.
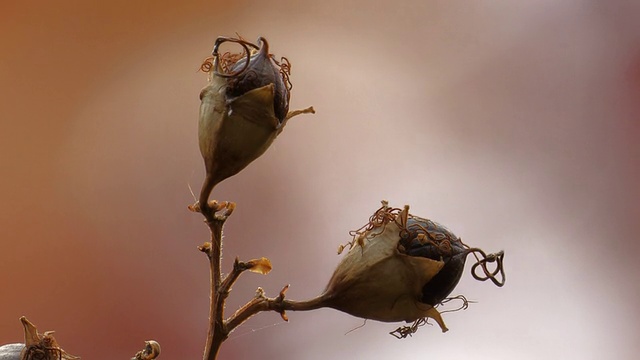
(217,332)
(262,303)
(219,329)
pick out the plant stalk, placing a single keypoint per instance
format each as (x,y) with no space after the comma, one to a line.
(219,328)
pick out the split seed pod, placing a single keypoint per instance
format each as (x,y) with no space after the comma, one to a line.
(400,268)
(243,109)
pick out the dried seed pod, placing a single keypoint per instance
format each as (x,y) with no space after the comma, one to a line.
(400,267)
(375,281)
(243,109)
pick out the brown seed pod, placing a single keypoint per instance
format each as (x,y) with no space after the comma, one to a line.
(243,109)
(400,267)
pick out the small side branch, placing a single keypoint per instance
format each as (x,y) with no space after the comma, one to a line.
(262,303)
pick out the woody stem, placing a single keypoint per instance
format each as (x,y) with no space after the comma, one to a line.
(217,330)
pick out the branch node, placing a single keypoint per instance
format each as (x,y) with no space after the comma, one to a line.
(279,302)
(206,248)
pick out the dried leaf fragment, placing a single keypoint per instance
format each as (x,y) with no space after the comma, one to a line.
(260,266)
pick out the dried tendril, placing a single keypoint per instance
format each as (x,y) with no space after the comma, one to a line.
(285,70)
(222,64)
(40,352)
(403,332)
(383,216)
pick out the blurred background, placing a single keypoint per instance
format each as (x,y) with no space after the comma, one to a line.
(515,124)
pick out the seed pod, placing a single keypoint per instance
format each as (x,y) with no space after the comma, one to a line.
(376,281)
(243,109)
(400,267)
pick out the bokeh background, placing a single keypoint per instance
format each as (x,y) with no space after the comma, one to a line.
(515,123)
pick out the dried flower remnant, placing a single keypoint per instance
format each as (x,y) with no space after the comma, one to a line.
(41,346)
(151,351)
(243,109)
(400,267)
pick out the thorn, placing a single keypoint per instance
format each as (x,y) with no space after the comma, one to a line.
(283,291)
(284,316)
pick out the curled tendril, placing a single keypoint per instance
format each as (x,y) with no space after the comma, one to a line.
(41,352)
(463,306)
(226,60)
(207,65)
(217,57)
(383,216)
(403,332)
(222,64)
(285,70)
(498,258)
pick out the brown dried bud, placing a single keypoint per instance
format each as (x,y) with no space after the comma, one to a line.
(243,109)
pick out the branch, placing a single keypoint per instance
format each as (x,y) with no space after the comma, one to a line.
(261,303)
(217,332)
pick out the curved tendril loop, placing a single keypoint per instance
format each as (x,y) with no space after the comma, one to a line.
(498,258)
(216,55)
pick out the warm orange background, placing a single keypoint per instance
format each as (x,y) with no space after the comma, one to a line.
(514,123)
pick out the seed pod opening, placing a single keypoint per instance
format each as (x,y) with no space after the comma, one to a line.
(261,71)
(428,239)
